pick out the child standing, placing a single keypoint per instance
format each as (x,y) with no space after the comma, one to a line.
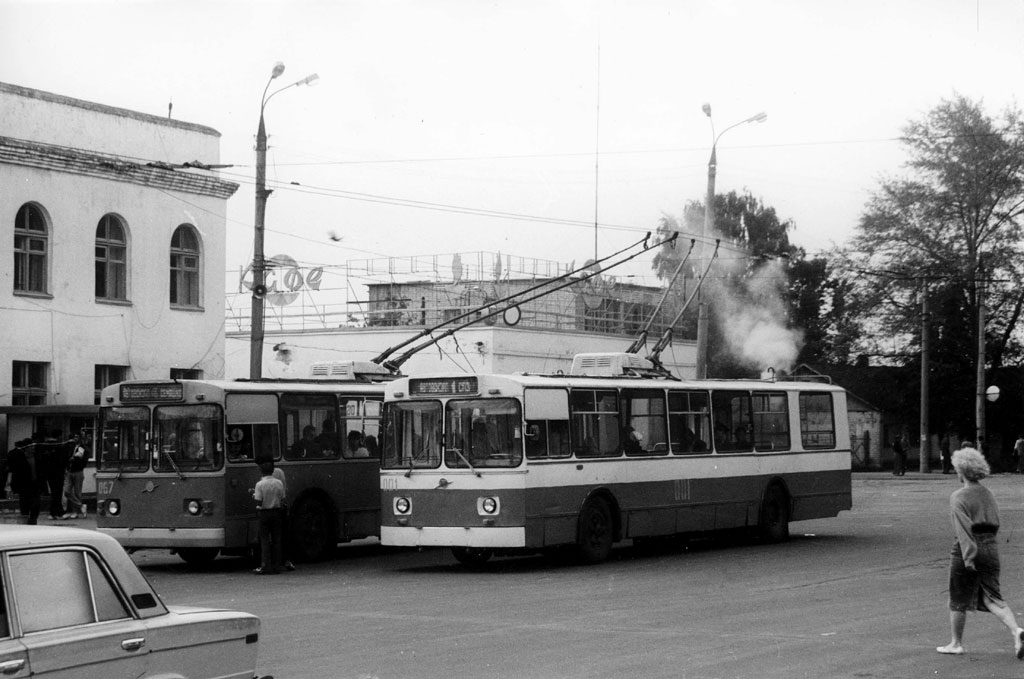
(270,497)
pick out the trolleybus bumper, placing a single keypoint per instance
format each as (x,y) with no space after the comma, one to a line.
(496,537)
(166,537)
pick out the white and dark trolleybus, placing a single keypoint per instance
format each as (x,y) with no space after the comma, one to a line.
(505,464)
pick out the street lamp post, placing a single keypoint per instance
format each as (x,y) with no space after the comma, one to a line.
(707,229)
(259,271)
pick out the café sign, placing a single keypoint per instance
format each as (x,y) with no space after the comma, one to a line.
(284,280)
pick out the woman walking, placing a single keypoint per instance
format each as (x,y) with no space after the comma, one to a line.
(974,560)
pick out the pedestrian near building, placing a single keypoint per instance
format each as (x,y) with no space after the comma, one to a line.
(945,444)
(26,480)
(974,559)
(1018,453)
(269,495)
(73,479)
(899,456)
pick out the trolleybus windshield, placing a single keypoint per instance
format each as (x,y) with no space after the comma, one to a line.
(483,433)
(188,438)
(125,437)
(412,435)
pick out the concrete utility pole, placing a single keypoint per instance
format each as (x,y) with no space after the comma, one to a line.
(924,457)
(259,262)
(708,231)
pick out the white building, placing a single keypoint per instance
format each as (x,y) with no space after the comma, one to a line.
(116,256)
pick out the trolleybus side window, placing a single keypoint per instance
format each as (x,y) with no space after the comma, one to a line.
(252,427)
(646,432)
(733,426)
(595,422)
(483,433)
(412,433)
(771,421)
(188,438)
(689,422)
(125,438)
(547,423)
(817,421)
(309,423)
(360,428)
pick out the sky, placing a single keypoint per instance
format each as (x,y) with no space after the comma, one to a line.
(513,126)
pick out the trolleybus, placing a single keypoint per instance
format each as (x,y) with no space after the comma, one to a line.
(177,461)
(487,464)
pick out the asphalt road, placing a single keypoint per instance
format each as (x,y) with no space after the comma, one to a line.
(860,595)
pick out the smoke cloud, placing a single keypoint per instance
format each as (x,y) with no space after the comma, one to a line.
(752,315)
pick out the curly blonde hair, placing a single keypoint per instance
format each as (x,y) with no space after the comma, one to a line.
(970,464)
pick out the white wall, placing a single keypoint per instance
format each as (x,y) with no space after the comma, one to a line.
(500,350)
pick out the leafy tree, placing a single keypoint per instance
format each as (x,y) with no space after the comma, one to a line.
(949,228)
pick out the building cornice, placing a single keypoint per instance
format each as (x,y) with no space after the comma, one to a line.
(50,97)
(91,164)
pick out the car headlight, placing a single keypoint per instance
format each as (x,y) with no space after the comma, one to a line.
(113,507)
(488,505)
(403,505)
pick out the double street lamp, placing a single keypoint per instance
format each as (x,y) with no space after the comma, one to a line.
(709,229)
(259,264)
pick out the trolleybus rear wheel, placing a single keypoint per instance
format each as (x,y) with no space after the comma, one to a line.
(198,556)
(594,537)
(311,530)
(474,557)
(774,523)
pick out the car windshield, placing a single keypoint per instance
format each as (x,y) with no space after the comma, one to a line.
(188,438)
(412,435)
(483,433)
(123,445)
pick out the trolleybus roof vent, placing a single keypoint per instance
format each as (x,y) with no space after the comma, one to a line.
(350,370)
(614,364)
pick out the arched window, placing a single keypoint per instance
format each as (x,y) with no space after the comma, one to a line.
(185,267)
(111,259)
(31,246)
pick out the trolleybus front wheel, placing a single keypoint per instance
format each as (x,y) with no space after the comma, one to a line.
(311,530)
(198,556)
(594,536)
(473,557)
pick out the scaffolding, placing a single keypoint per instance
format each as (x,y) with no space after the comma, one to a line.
(424,291)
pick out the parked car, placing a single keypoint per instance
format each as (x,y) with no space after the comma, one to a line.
(73,604)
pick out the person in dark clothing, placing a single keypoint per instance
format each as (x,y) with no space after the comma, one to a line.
(944,448)
(25,479)
(899,453)
(52,463)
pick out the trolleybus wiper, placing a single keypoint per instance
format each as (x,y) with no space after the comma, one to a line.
(395,364)
(173,465)
(466,460)
(641,338)
(382,357)
(666,337)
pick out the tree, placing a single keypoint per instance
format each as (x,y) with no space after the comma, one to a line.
(769,305)
(950,229)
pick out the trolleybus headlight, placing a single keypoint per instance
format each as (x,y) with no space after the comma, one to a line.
(402,505)
(194,507)
(113,507)
(488,505)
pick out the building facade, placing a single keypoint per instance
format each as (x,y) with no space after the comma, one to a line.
(115,256)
